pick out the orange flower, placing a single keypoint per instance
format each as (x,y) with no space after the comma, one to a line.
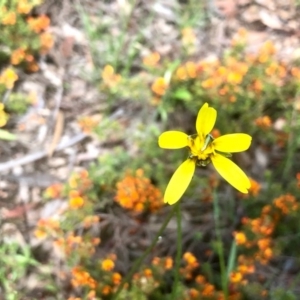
(107,265)
(148,273)
(138,194)
(234,78)
(194,294)
(54,191)
(237,66)
(40,234)
(29,58)
(9,18)
(38,24)
(235,277)
(168,263)
(255,187)
(106,290)
(80,180)
(264,243)
(88,221)
(156,261)
(268,253)
(266,51)
(24,7)
(188,35)
(191,69)
(17,56)
(208,290)
(286,203)
(46,227)
(188,70)
(221,71)
(257,86)
(47,42)
(295,72)
(200,279)
(73,240)
(189,258)
(240,238)
(232,98)
(272,68)
(240,38)
(89,123)
(264,122)
(208,83)
(189,39)
(76,202)
(159,86)
(181,73)
(110,78)
(116,278)
(151,60)
(32,67)
(91,295)
(82,278)
(8,78)
(95,241)
(155,101)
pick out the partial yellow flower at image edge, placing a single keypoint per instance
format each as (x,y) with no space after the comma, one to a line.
(203,149)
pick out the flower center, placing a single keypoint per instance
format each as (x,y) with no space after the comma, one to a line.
(201,149)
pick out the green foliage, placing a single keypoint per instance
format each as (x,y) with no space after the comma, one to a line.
(282,294)
(15,261)
(15,31)
(17,103)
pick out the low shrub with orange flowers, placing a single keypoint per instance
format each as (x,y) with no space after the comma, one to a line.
(250,89)
(138,194)
(254,93)
(18,25)
(23,39)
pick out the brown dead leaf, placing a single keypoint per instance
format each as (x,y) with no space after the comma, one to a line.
(66,47)
(17,212)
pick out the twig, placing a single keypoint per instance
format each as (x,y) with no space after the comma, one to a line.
(40,154)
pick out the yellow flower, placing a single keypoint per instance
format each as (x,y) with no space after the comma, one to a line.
(107,264)
(203,149)
(8,78)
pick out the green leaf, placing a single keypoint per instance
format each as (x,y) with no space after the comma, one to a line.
(5,135)
(183,94)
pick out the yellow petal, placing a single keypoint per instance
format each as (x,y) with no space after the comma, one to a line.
(231,173)
(205,120)
(235,142)
(179,181)
(173,140)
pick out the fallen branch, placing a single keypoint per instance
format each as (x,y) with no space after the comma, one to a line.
(40,154)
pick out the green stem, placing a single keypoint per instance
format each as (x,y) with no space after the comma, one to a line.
(179,251)
(139,261)
(291,144)
(224,277)
(125,27)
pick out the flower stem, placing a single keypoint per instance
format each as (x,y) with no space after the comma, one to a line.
(139,261)
(179,251)
(224,276)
